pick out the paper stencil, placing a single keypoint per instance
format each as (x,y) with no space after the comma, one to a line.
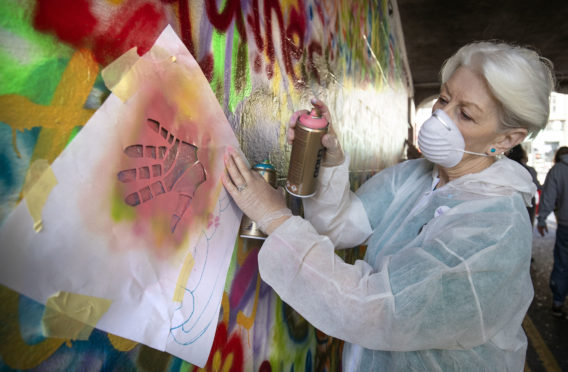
(138,216)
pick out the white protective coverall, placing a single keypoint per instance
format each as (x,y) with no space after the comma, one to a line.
(445,283)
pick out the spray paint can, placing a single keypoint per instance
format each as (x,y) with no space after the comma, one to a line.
(307,153)
(249,229)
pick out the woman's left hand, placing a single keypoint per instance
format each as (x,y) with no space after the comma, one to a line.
(254,196)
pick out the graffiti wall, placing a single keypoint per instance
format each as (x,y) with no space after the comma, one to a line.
(264,59)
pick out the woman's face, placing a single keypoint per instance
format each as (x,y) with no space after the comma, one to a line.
(466,99)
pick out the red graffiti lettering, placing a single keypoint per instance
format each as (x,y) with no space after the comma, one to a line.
(206,63)
(134,24)
(222,20)
(295,28)
(140,29)
(71,20)
(314,48)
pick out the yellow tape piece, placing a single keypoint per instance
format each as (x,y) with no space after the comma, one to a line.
(73,316)
(183,277)
(39,182)
(128,72)
(121,344)
(121,76)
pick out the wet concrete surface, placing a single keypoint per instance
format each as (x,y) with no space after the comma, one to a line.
(550,352)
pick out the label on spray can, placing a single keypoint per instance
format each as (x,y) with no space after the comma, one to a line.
(249,228)
(307,154)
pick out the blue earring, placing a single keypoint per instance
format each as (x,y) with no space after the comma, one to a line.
(492,149)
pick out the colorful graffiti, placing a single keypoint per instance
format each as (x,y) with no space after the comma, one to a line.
(264,59)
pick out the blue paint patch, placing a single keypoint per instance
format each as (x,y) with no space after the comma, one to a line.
(311,11)
(309,364)
(13,168)
(175,364)
(30,314)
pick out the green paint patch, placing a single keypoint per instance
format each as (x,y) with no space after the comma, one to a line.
(16,18)
(218,42)
(285,352)
(232,267)
(241,85)
(31,63)
(36,81)
(119,210)
(185,366)
(239,72)
(74,132)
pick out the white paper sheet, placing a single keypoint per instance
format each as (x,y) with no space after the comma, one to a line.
(103,236)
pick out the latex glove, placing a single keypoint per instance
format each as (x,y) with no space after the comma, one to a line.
(255,197)
(333,153)
(542,229)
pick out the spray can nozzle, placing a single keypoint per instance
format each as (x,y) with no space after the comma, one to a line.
(315,113)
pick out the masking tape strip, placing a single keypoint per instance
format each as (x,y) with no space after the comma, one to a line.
(128,72)
(72,315)
(120,343)
(120,76)
(39,182)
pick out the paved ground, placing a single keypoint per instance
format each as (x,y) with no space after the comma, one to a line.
(548,336)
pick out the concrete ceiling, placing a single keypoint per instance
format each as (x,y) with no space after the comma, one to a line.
(434,30)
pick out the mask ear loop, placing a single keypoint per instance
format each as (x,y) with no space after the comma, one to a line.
(476,153)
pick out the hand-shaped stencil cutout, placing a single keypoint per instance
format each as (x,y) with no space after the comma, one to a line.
(177,169)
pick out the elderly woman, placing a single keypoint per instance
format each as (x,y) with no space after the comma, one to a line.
(445,282)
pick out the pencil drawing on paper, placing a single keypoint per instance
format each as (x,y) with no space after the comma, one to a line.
(199,305)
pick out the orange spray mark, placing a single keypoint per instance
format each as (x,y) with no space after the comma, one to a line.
(248,321)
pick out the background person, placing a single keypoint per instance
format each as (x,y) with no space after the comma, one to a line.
(555,198)
(519,155)
(445,282)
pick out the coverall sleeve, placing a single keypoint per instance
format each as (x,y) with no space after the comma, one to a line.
(335,211)
(453,287)
(548,197)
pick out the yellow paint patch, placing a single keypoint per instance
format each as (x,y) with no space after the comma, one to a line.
(121,344)
(72,315)
(39,182)
(183,277)
(216,362)
(226,307)
(15,352)
(228,363)
(548,361)
(287,4)
(63,114)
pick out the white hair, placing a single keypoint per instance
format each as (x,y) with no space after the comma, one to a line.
(518,78)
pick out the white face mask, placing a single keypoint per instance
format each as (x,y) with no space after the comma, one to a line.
(441,142)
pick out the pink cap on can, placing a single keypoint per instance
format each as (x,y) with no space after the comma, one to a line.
(313,120)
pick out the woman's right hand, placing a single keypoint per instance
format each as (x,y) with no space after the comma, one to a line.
(333,152)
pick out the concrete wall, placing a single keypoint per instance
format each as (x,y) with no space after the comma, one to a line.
(264,60)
